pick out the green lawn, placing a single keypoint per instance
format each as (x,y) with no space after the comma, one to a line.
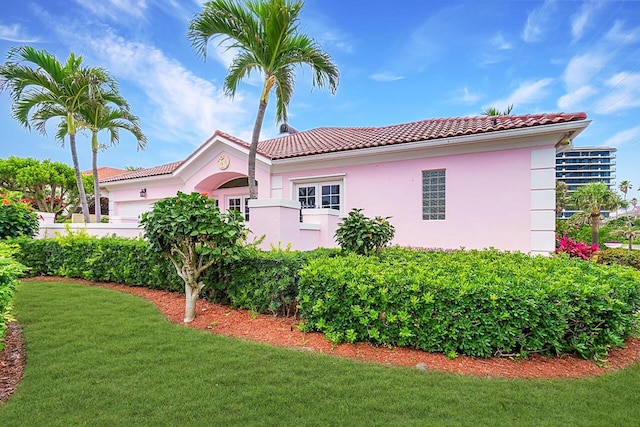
(97,357)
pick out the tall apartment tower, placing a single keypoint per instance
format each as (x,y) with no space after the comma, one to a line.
(579,166)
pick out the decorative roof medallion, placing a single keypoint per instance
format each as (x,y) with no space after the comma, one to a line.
(223,162)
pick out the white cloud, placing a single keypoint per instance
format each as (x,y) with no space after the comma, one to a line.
(622,95)
(581,69)
(115,9)
(536,23)
(526,93)
(572,100)
(386,76)
(328,36)
(580,19)
(186,107)
(623,137)
(14,33)
(467,97)
(499,42)
(330,39)
(618,34)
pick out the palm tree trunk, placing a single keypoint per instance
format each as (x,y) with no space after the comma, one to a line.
(595,222)
(96,181)
(253,193)
(76,167)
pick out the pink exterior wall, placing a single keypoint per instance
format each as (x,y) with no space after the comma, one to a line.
(132,195)
(497,198)
(487,198)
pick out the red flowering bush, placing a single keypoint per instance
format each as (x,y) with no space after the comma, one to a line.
(576,249)
(17,218)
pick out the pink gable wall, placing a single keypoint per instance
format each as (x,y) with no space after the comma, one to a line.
(487,198)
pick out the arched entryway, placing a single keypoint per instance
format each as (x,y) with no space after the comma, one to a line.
(229,189)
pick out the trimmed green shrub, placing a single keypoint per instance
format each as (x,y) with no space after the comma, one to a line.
(478,303)
(109,259)
(265,282)
(10,270)
(620,256)
(362,235)
(17,219)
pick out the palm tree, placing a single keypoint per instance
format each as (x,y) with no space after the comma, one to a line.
(624,187)
(265,34)
(98,117)
(562,195)
(52,89)
(594,198)
(493,111)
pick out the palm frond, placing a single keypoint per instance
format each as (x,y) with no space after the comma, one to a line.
(242,65)
(226,20)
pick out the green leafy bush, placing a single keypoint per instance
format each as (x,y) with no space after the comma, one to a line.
(478,303)
(362,235)
(264,282)
(10,270)
(620,256)
(17,219)
(109,259)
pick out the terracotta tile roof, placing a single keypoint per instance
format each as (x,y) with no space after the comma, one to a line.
(232,138)
(143,173)
(328,140)
(106,172)
(334,139)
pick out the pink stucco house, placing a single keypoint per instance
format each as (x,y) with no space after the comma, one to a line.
(471,182)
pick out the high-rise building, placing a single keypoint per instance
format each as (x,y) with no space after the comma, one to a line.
(579,166)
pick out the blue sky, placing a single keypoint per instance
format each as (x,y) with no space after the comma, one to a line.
(399,61)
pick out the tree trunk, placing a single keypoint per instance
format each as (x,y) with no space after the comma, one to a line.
(595,222)
(630,243)
(255,137)
(191,297)
(96,181)
(76,167)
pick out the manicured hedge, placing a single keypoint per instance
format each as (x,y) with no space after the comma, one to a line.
(125,261)
(265,282)
(479,303)
(10,270)
(622,256)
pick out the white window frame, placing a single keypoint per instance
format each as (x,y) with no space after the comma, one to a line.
(244,200)
(318,193)
(320,180)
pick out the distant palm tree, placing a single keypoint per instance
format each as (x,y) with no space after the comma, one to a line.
(624,187)
(493,111)
(97,117)
(266,36)
(594,198)
(52,90)
(628,232)
(562,194)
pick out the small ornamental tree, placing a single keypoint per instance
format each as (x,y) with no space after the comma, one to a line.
(362,235)
(190,230)
(17,218)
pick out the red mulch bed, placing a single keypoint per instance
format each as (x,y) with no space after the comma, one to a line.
(282,332)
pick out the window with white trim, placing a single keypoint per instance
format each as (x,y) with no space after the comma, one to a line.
(240,204)
(433,194)
(326,195)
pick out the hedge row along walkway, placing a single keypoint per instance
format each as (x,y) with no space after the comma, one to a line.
(283,332)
